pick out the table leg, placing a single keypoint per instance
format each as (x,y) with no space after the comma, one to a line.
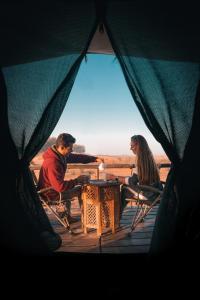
(98,218)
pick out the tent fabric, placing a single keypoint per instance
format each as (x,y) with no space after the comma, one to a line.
(40,112)
(17,231)
(158,51)
(163,80)
(36,95)
(31,88)
(38,30)
(162,31)
(156,84)
(188,187)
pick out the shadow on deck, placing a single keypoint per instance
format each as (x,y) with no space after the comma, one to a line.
(119,243)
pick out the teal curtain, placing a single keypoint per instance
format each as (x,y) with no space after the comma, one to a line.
(156,48)
(35,93)
(42,45)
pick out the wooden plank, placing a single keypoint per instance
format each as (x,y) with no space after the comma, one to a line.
(83,239)
(80,250)
(130,216)
(120,242)
(146,222)
(81,243)
(134,235)
(112,250)
(115,239)
(123,250)
(127,242)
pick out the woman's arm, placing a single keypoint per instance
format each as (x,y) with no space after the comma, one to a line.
(129,180)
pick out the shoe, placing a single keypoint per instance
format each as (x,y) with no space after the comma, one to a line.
(61,210)
(61,214)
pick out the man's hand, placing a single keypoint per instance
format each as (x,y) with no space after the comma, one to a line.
(83,179)
(100,160)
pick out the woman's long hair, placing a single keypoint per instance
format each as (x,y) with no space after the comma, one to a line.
(146,166)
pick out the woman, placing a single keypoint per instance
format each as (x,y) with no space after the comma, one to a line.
(146,172)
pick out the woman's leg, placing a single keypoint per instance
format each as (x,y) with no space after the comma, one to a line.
(123,201)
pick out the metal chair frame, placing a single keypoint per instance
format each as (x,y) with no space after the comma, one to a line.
(143,206)
(49,204)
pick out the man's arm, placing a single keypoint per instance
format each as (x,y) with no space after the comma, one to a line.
(82,158)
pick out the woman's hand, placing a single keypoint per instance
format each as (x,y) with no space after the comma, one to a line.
(110,177)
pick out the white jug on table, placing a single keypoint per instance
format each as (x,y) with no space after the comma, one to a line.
(102,168)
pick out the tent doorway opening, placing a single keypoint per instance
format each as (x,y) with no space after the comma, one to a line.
(101,114)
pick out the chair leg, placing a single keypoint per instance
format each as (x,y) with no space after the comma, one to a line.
(64,221)
(141,215)
(138,211)
(147,209)
(140,218)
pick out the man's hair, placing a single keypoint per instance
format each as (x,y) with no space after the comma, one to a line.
(65,139)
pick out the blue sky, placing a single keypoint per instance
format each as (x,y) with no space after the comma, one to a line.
(100,111)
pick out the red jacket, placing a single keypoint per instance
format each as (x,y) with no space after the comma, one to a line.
(54,167)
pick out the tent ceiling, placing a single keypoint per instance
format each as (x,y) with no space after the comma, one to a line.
(44,29)
(100,43)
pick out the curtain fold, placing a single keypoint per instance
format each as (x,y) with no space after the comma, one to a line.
(188,186)
(163,79)
(37,93)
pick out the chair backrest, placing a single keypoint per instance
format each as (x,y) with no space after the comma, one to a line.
(35,180)
(42,192)
(50,204)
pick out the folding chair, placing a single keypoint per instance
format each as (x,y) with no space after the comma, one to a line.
(53,205)
(143,204)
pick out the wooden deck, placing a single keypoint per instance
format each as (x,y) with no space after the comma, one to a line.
(120,242)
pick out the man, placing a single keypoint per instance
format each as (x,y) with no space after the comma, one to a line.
(54,167)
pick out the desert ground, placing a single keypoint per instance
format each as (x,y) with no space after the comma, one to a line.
(123,159)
